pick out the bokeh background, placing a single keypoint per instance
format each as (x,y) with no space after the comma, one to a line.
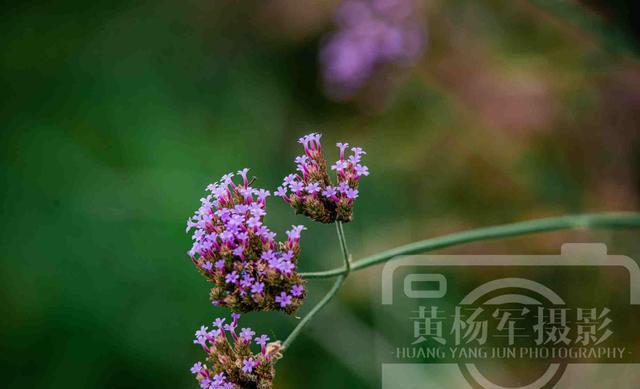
(115,115)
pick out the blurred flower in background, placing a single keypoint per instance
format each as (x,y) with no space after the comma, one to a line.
(370,35)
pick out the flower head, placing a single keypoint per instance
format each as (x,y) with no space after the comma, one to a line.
(312,193)
(231,362)
(235,250)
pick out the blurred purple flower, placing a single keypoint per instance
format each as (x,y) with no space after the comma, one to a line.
(369,35)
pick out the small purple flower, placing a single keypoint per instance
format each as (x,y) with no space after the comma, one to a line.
(230,327)
(339,166)
(254,222)
(207,266)
(248,365)
(286,267)
(256,211)
(232,277)
(202,341)
(297,290)
(262,340)
(329,192)
(358,151)
(197,368)
(226,236)
(361,170)
(246,282)
(242,236)
(262,195)
(257,288)
(296,187)
(239,251)
(342,147)
(218,322)
(301,159)
(268,255)
(351,193)
(284,299)
(202,332)
(190,225)
(294,233)
(219,264)
(246,334)
(243,173)
(287,255)
(274,263)
(219,379)
(313,188)
(281,191)
(288,180)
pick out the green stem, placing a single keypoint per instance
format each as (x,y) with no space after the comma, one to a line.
(584,221)
(346,256)
(296,331)
(330,294)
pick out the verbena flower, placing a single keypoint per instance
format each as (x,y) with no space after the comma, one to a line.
(311,192)
(370,34)
(237,252)
(230,362)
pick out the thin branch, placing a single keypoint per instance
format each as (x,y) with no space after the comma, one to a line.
(327,297)
(584,221)
(346,256)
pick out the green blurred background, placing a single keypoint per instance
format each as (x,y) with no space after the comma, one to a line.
(116,115)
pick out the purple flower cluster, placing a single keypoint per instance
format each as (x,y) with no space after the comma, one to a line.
(311,192)
(236,251)
(370,34)
(230,362)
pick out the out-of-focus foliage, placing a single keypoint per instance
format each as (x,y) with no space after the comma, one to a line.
(116,115)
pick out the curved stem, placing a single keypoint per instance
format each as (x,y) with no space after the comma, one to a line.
(330,294)
(327,297)
(324,274)
(584,221)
